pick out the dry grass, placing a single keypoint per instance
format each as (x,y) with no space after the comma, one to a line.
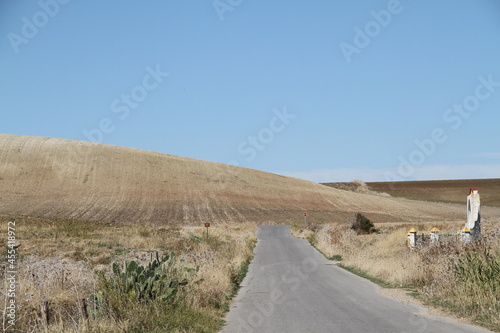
(463,278)
(59,260)
(57,178)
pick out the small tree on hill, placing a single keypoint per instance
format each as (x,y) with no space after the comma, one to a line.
(362,225)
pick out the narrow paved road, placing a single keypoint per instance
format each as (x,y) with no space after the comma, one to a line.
(291,287)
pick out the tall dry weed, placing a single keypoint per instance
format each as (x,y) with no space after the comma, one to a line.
(59,285)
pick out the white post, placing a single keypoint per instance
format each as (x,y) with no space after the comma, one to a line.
(412,238)
(474,213)
(465,235)
(435,235)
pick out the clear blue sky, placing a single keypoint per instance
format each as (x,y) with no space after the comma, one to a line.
(321,90)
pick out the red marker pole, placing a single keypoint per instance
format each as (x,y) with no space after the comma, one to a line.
(207,225)
(305,218)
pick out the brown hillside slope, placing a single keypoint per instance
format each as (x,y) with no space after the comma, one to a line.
(63,178)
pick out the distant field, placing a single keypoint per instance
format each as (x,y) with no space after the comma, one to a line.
(455,191)
(451,191)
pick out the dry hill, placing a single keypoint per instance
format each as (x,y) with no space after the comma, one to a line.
(63,178)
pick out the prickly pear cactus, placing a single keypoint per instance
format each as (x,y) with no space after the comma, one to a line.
(159,279)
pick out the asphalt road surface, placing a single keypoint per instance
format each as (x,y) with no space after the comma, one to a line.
(291,287)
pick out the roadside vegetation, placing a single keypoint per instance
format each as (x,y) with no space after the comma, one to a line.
(83,276)
(463,279)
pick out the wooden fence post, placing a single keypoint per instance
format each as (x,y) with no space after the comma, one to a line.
(46,312)
(84,309)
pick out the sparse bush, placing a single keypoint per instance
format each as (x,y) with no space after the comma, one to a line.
(362,225)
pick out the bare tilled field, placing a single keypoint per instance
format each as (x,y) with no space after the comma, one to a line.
(45,177)
(452,191)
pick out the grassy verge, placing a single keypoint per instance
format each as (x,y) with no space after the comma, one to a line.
(311,238)
(67,266)
(462,279)
(239,274)
(363,274)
